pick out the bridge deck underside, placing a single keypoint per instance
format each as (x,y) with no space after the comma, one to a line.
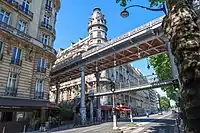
(139,51)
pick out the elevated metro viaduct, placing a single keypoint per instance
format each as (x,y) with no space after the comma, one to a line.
(142,42)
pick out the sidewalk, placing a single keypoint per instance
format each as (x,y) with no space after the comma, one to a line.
(70,126)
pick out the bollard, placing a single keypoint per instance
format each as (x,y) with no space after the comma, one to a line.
(24,131)
(4,128)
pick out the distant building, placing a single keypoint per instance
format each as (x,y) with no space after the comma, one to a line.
(97,35)
(27,33)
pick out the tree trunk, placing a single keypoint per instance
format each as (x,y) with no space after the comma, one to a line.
(180,26)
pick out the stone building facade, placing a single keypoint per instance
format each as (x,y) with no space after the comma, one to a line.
(27,34)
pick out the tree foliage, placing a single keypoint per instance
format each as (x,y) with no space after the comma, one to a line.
(165,103)
(162,67)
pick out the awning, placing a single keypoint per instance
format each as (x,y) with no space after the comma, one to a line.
(106,107)
(123,108)
(120,108)
(16,103)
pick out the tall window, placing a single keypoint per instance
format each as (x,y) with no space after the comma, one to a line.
(22,26)
(41,65)
(11,89)
(4,16)
(17,56)
(39,89)
(46,19)
(45,39)
(1,49)
(39,85)
(26,5)
(49,3)
(99,34)
(12,80)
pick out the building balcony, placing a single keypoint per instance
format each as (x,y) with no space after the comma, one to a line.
(11,91)
(48,7)
(19,34)
(16,5)
(16,62)
(39,95)
(26,11)
(48,27)
(13,3)
(41,69)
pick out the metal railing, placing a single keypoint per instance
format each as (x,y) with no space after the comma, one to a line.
(26,11)
(39,95)
(20,7)
(18,33)
(147,26)
(47,26)
(16,62)
(48,7)
(150,80)
(11,91)
(41,69)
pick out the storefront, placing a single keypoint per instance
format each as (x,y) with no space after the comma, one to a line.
(18,114)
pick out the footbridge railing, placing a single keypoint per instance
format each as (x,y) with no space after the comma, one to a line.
(142,83)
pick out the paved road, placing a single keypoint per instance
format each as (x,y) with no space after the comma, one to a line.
(144,123)
(161,125)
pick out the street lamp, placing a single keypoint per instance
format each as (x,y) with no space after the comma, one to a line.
(125,13)
(112,88)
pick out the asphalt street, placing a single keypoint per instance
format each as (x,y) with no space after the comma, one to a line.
(164,124)
(154,124)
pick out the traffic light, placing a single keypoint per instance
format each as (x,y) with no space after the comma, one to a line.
(112,86)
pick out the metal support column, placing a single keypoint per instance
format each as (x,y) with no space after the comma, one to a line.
(91,110)
(91,95)
(83,108)
(97,75)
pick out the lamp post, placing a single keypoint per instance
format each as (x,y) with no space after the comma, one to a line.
(125,13)
(112,88)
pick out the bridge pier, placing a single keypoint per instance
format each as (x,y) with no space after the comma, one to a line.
(91,98)
(97,75)
(83,108)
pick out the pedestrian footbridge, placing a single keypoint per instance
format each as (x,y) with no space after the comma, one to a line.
(148,82)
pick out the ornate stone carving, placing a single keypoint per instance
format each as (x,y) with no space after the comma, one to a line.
(28,53)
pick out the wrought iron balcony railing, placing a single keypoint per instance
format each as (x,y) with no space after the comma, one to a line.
(48,7)
(47,26)
(15,4)
(11,91)
(41,69)
(39,95)
(6,27)
(16,61)
(26,11)
(12,3)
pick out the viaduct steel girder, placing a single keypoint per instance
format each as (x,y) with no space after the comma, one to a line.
(139,88)
(139,43)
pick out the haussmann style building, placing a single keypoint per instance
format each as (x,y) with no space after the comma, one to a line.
(27,34)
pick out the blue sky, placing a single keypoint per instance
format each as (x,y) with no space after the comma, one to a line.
(73,18)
